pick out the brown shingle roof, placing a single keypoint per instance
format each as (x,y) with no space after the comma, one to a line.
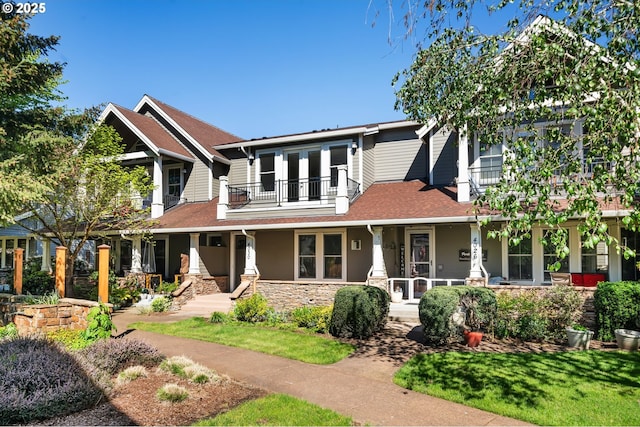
(381,202)
(207,135)
(156,133)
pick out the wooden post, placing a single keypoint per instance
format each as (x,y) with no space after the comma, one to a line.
(17,272)
(61,266)
(103,273)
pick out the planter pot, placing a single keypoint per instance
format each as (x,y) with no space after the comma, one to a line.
(579,339)
(396,296)
(472,339)
(627,339)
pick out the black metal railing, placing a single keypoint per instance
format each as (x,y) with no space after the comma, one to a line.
(279,192)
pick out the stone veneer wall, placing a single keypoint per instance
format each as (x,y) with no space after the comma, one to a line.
(9,304)
(207,285)
(588,308)
(69,313)
(287,295)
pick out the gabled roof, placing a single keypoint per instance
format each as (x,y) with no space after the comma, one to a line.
(202,135)
(150,132)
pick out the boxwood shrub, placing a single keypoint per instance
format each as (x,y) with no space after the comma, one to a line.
(617,306)
(437,306)
(359,311)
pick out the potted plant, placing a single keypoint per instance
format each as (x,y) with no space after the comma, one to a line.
(627,339)
(579,336)
(397,294)
(472,329)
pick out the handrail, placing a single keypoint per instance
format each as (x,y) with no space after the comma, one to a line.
(410,283)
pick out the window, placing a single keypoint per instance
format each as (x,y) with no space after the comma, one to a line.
(595,260)
(338,157)
(320,255)
(550,258)
(520,261)
(268,171)
(173,182)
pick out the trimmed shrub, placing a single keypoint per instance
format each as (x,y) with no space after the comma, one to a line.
(359,311)
(253,309)
(39,380)
(315,318)
(436,309)
(617,306)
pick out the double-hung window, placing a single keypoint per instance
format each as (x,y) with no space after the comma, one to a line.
(596,259)
(320,255)
(267,171)
(550,258)
(521,260)
(338,156)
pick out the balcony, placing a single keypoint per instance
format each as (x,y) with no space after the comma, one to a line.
(279,193)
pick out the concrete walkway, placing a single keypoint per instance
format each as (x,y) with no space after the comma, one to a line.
(357,387)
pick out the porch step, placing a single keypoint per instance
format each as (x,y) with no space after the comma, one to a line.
(204,305)
(404,312)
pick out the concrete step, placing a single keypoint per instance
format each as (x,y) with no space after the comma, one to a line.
(404,312)
(204,305)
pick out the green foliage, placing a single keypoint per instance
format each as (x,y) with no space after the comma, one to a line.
(500,84)
(188,369)
(536,315)
(218,317)
(359,311)
(50,298)
(8,331)
(35,281)
(69,339)
(253,309)
(172,393)
(132,373)
(167,287)
(160,304)
(617,306)
(437,307)
(315,318)
(99,323)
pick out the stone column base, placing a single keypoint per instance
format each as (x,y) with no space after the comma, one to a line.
(475,281)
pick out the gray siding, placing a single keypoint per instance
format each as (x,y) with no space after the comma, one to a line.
(238,172)
(197,184)
(274,254)
(445,155)
(13,231)
(277,213)
(359,261)
(400,156)
(369,159)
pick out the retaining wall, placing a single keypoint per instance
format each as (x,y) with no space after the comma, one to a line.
(69,313)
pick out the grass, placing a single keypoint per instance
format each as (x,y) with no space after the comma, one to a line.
(567,388)
(278,410)
(309,348)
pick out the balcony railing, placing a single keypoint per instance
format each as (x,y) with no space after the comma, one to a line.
(281,192)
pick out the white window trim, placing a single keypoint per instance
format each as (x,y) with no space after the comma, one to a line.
(319,233)
(165,173)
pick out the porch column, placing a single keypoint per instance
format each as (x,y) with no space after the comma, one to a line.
(194,253)
(342,195)
(46,256)
(223,198)
(117,251)
(475,272)
(250,254)
(615,259)
(463,166)
(136,254)
(379,269)
(157,204)
(3,254)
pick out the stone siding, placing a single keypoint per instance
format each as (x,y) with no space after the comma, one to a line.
(181,295)
(287,295)
(588,308)
(9,305)
(207,285)
(69,313)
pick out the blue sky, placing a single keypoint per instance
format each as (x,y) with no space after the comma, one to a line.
(253,68)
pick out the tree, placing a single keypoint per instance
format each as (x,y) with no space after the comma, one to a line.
(27,87)
(91,193)
(578,67)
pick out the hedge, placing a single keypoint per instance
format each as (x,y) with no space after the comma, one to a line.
(617,306)
(359,311)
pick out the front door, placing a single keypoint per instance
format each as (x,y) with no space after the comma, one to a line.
(302,175)
(419,261)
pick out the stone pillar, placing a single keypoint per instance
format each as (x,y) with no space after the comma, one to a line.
(157,204)
(250,255)
(379,269)
(18,257)
(342,195)
(194,253)
(103,274)
(61,269)
(464,190)
(136,254)
(475,272)
(46,256)
(223,198)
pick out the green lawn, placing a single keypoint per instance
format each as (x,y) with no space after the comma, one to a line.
(567,388)
(278,410)
(310,348)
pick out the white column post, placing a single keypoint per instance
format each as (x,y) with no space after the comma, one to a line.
(117,251)
(342,196)
(476,252)
(46,256)
(250,254)
(223,198)
(3,253)
(157,204)
(379,269)
(615,259)
(463,166)
(194,253)
(136,254)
